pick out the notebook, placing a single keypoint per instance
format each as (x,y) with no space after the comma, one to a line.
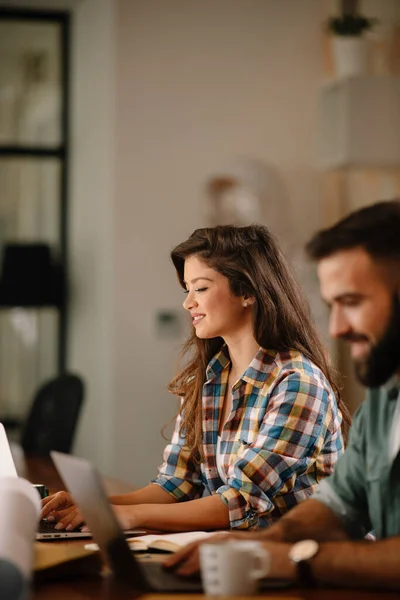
(46,531)
(170,542)
(86,487)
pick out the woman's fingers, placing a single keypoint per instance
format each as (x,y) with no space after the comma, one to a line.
(69,520)
(57,501)
(47,500)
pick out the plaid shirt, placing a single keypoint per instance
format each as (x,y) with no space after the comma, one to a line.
(282,436)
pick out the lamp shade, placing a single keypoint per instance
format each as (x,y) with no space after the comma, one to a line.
(29,277)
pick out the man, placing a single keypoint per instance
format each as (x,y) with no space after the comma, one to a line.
(359,273)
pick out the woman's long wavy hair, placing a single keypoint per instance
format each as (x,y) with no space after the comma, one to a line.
(255,266)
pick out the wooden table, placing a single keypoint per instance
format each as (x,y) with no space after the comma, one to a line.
(73,586)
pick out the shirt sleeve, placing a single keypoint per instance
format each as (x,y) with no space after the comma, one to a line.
(179,474)
(344,492)
(291,436)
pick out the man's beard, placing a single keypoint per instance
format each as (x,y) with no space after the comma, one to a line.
(384,357)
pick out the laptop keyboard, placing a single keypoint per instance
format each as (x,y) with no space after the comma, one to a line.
(46,527)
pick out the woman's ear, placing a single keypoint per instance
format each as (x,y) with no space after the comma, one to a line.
(248,301)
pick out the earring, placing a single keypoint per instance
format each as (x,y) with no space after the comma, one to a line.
(245,304)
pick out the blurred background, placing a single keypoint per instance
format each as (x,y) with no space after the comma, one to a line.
(125,125)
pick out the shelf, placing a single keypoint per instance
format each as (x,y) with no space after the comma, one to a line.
(359,122)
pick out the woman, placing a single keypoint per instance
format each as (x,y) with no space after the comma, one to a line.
(259,423)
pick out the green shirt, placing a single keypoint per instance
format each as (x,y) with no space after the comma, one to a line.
(364,490)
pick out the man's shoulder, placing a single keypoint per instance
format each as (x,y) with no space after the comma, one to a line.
(378,393)
(376,400)
(372,414)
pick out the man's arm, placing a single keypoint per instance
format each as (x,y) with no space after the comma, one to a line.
(356,564)
(342,563)
(311,519)
(359,564)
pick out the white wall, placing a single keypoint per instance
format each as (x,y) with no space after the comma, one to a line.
(198,83)
(92,192)
(91,204)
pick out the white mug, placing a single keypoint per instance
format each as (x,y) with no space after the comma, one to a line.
(233,567)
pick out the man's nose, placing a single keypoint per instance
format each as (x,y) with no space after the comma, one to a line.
(338,323)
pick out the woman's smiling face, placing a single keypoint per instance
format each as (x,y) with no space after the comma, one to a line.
(215,310)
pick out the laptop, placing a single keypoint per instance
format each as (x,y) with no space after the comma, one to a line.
(46,530)
(85,485)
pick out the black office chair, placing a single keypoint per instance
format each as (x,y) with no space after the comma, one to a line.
(52,420)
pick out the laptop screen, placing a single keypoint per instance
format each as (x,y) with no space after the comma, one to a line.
(85,485)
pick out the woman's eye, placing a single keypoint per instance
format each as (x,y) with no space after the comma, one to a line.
(196,290)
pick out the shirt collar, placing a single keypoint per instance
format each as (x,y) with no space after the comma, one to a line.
(218,363)
(392,386)
(255,374)
(260,367)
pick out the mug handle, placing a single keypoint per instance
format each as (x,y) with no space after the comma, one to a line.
(264,559)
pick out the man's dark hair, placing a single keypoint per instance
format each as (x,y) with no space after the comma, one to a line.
(376,228)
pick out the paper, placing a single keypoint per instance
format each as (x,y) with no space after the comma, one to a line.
(19,516)
(7,466)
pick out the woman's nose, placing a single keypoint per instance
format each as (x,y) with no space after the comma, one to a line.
(189,301)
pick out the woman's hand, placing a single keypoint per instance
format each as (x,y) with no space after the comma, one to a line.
(60,507)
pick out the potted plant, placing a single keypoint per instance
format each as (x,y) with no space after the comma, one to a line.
(350,47)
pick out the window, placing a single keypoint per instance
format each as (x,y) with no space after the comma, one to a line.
(34,76)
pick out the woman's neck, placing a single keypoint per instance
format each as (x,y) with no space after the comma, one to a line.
(241,354)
